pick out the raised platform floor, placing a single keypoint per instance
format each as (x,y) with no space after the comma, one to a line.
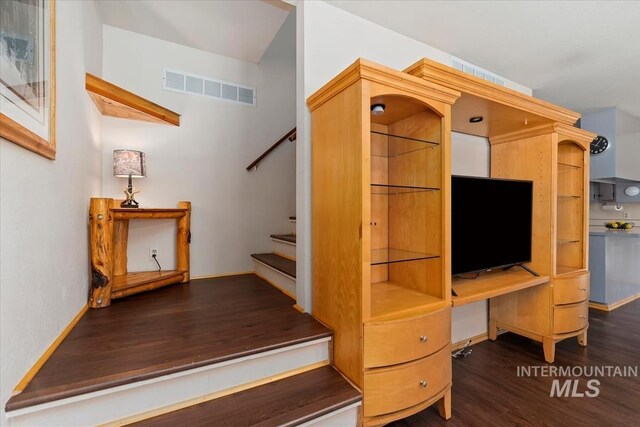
(166,331)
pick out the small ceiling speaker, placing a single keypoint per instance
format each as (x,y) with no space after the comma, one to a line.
(377,109)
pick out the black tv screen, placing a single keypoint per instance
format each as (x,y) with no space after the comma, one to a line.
(491,223)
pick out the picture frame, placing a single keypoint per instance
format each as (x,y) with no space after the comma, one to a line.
(28,74)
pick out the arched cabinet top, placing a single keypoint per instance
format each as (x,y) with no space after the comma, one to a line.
(384,81)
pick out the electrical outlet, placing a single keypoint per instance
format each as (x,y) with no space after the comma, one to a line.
(152,252)
(627,215)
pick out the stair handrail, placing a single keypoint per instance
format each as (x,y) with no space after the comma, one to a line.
(291,136)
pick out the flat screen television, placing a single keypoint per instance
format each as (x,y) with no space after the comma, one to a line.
(491,221)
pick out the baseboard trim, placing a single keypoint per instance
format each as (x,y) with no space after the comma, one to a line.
(24,382)
(474,340)
(213,276)
(613,306)
(213,396)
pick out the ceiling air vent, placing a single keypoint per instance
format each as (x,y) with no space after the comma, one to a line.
(179,81)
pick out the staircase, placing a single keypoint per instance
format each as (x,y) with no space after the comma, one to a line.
(279,266)
(228,351)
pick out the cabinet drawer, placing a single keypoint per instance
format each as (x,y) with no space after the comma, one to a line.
(392,389)
(401,341)
(572,289)
(570,318)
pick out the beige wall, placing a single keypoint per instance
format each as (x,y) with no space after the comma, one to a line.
(43,214)
(204,160)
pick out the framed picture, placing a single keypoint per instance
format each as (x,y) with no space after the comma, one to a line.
(27,74)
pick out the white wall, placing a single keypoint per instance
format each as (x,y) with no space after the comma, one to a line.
(204,160)
(470,156)
(329,40)
(44,270)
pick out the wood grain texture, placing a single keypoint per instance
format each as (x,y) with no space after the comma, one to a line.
(571,289)
(488,392)
(213,320)
(570,318)
(115,101)
(24,382)
(120,241)
(393,342)
(465,83)
(280,263)
(183,240)
(491,285)
(18,134)
(109,225)
(289,238)
(338,224)
(398,387)
(287,402)
(101,250)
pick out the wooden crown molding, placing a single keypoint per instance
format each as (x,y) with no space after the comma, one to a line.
(580,136)
(114,101)
(376,73)
(450,77)
(565,132)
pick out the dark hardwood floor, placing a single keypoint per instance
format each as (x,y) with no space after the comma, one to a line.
(169,330)
(488,392)
(291,238)
(288,402)
(278,262)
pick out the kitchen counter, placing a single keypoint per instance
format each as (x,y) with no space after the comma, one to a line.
(614,263)
(600,230)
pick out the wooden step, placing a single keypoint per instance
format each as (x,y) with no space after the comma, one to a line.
(280,263)
(287,402)
(289,238)
(167,331)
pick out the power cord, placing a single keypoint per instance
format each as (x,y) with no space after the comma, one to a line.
(155,258)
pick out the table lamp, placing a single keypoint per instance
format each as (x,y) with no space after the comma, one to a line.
(131,164)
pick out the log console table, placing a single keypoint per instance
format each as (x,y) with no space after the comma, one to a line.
(109,230)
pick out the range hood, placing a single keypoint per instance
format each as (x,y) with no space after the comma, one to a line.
(622,158)
(620,163)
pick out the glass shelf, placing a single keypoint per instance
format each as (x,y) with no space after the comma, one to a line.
(569,196)
(398,189)
(405,138)
(390,255)
(567,241)
(569,165)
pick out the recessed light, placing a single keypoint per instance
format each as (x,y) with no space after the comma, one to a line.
(377,109)
(476,119)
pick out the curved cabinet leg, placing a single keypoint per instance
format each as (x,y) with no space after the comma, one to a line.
(582,339)
(549,346)
(444,405)
(493,330)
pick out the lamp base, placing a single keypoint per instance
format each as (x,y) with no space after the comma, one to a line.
(130,203)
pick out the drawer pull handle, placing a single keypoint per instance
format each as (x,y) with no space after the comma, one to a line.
(423,384)
(583,289)
(423,338)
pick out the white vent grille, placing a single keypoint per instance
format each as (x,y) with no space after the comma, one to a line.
(465,67)
(178,81)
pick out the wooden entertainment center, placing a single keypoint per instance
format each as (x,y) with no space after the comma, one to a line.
(381,225)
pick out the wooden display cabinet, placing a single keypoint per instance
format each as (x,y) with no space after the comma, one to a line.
(109,233)
(381,236)
(556,159)
(530,140)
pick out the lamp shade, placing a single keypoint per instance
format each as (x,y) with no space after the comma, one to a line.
(129,163)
